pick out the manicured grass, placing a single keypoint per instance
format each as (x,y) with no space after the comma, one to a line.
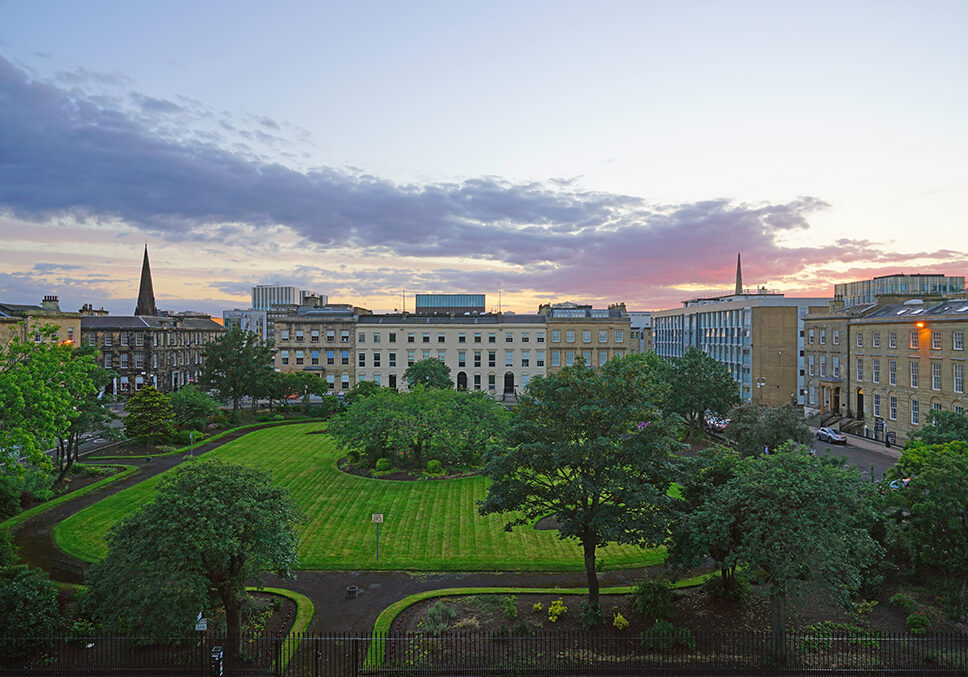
(430,525)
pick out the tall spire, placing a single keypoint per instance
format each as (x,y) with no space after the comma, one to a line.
(739,273)
(146,295)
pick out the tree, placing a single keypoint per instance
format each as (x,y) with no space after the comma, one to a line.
(28,607)
(431,373)
(149,416)
(943,426)
(796,517)
(698,383)
(193,407)
(277,386)
(753,429)
(918,455)
(362,390)
(212,527)
(306,384)
(237,364)
(594,450)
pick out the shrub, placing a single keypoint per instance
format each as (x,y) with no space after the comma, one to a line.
(537,607)
(439,617)
(591,615)
(434,467)
(665,637)
(737,590)
(183,438)
(652,597)
(8,551)
(904,601)
(509,609)
(353,457)
(555,610)
(918,623)
(619,622)
(27,600)
(383,464)
(522,629)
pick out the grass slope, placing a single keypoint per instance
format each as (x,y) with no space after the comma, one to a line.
(430,525)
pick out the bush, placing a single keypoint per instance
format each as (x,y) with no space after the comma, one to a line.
(904,601)
(434,467)
(918,623)
(537,607)
(28,607)
(666,638)
(619,622)
(8,551)
(509,609)
(591,615)
(652,597)
(383,464)
(522,629)
(737,590)
(439,617)
(353,457)
(555,610)
(183,438)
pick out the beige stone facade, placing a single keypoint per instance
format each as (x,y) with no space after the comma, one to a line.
(25,321)
(320,341)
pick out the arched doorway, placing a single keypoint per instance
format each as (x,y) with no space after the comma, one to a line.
(508,382)
(461,380)
(860,403)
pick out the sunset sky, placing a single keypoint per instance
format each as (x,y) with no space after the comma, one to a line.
(586,151)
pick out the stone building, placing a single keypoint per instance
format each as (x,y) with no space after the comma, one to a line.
(595,335)
(24,322)
(319,340)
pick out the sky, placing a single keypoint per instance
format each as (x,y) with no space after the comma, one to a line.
(533,151)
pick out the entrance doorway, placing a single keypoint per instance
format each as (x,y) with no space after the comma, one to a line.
(461,380)
(860,403)
(508,382)
(836,407)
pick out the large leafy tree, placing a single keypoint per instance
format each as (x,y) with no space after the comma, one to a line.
(149,416)
(943,426)
(193,407)
(796,517)
(698,383)
(41,384)
(431,373)
(306,384)
(212,527)
(237,364)
(594,450)
(754,429)
(28,608)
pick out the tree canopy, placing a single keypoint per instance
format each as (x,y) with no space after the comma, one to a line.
(593,449)
(754,429)
(149,416)
(431,373)
(698,383)
(211,527)
(237,364)
(943,426)
(193,407)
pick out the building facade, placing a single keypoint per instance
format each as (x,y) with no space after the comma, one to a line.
(24,322)
(594,335)
(252,320)
(267,296)
(866,292)
(320,341)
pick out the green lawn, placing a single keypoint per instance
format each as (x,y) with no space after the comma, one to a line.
(430,525)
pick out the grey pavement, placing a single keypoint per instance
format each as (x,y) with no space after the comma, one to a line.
(868,455)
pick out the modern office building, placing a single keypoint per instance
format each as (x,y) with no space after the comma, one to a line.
(250,319)
(865,292)
(267,296)
(449,303)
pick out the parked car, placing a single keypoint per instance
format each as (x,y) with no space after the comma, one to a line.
(831,435)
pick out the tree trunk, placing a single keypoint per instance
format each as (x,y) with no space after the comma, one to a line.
(588,545)
(232,602)
(66,455)
(778,627)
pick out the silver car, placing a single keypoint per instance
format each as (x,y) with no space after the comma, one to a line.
(831,435)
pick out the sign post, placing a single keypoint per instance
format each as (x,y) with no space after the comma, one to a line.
(377,519)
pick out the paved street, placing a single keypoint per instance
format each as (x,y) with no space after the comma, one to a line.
(863,453)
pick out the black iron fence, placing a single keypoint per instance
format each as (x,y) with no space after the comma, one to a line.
(560,653)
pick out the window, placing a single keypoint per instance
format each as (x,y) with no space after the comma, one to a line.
(426,338)
(877,405)
(810,364)
(361,337)
(620,336)
(139,361)
(836,366)
(525,358)
(935,375)
(823,337)
(283,334)
(835,339)
(284,357)
(477,358)
(107,361)
(860,369)
(299,357)
(958,375)
(314,357)
(892,408)
(344,381)
(508,358)
(823,366)
(876,339)
(915,412)
(586,336)
(586,355)
(477,337)
(490,381)
(411,358)
(555,358)
(462,338)
(361,359)
(344,336)
(154,360)
(876,371)
(539,358)
(935,406)
(376,337)
(344,357)
(330,357)
(619,353)
(936,340)
(556,336)
(461,358)
(509,338)
(525,337)
(914,374)
(441,355)
(813,395)
(330,381)
(376,360)
(892,339)
(860,339)
(540,337)
(426,355)
(492,338)
(441,338)
(392,359)
(410,338)
(958,340)
(393,337)
(376,379)
(314,336)
(602,357)
(299,335)
(569,358)
(477,381)
(603,336)
(92,340)
(913,343)
(124,338)
(810,336)
(892,372)
(154,340)
(491,358)
(330,335)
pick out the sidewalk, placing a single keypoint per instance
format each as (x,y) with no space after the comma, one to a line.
(893,452)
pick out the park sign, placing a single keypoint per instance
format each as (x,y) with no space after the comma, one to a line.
(377,518)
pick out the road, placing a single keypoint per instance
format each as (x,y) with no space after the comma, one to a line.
(862,453)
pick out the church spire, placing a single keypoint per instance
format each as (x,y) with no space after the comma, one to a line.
(146,295)
(739,274)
